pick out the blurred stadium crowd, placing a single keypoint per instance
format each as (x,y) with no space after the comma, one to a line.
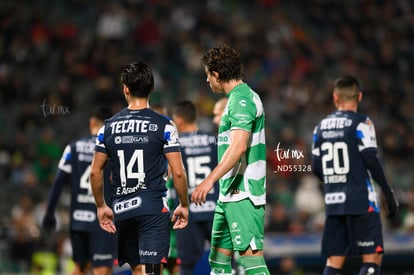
(59,58)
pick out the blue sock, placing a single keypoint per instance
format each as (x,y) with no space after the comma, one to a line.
(331,271)
(369,269)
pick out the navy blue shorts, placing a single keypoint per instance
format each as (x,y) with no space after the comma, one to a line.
(352,235)
(144,239)
(98,247)
(191,241)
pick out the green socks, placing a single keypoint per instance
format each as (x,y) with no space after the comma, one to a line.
(219,263)
(254,265)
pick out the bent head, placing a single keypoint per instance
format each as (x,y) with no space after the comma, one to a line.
(221,64)
(346,91)
(97,118)
(138,78)
(184,115)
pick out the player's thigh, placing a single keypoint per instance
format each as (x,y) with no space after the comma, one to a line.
(144,239)
(128,241)
(367,233)
(191,241)
(80,247)
(335,238)
(154,238)
(245,224)
(220,235)
(103,248)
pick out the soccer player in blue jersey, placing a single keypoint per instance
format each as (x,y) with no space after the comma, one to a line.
(139,142)
(91,246)
(199,152)
(344,158)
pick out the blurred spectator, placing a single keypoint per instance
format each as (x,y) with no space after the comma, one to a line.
(408,221)
(279,219)
(280,192)
(112,22)
(288,266)
(24,234)
(408,214)
(48,153)
(308,196)
(30,187)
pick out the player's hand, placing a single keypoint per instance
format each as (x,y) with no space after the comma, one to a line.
(49,222)
(200,193)
(180,217)
(106,217)
(393,205)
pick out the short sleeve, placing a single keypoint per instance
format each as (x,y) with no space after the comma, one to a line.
(315,149)
(64,162)
(100,141)
(365,132)
(172,143)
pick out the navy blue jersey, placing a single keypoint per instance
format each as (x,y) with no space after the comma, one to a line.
(199,152)
(136,142)
(338,142)
(76,161)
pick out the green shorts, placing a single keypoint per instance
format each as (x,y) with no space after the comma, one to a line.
(238,225)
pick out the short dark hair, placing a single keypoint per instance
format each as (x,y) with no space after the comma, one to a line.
(347,81)
(225,61)
(347,88)
(101,113)
(138,77)
(187,110)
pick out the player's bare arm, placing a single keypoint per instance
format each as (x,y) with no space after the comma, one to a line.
(105,214)
(238,146)
(180,215)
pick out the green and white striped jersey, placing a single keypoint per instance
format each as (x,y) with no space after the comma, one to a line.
(247,179)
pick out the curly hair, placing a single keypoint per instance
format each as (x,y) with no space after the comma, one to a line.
(223,60)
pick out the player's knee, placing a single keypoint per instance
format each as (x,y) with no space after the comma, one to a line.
(219,263)
(153,269)
(335,261)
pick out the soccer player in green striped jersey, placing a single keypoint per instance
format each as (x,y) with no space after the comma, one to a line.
(241,170)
